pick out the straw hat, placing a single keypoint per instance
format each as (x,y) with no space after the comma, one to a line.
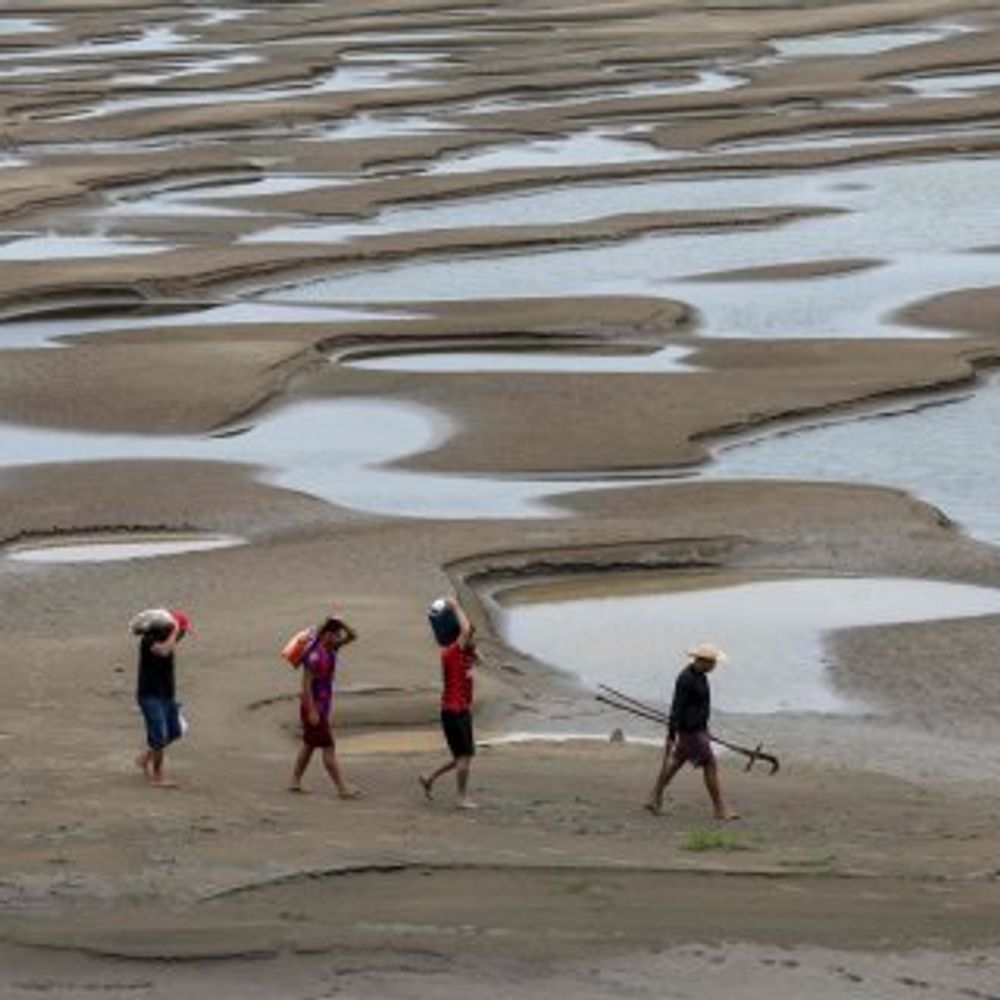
(706,651)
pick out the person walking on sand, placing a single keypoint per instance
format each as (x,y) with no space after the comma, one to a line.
(319,668)
(688,739)
(156,692)
(458,659)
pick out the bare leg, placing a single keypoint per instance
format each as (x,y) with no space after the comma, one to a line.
(427,783)
(462,767)
(155,770)
(720,808)
(344,789)
(142,761)
(668,769)
(301,763)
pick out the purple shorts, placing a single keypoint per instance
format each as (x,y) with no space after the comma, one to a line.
(319,736)
(694,748)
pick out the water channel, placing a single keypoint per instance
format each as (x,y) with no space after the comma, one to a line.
(886,214)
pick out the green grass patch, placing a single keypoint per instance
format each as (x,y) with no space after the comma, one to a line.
(714,840)
(810,861)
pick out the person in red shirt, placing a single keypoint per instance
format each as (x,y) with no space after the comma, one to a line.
(457,662)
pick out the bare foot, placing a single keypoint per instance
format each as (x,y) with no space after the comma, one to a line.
(466,804)
(349,792)
(297,788)
(727,817)
(162,783)
(653,808)
(427,785)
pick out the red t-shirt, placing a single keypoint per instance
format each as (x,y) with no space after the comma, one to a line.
(456,672)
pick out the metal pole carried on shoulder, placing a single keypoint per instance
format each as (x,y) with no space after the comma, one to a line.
(626,703)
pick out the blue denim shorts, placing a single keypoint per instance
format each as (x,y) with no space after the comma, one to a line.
(163,721)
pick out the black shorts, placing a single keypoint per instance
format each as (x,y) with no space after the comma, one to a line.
(457,728)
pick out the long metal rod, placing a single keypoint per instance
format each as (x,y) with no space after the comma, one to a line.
(626,703)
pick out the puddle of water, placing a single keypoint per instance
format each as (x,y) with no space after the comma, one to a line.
(772,630)
(341,80)
(951,84)
(50,246)
(22,26)
(168,203)
(702,82)
(370,126)
(859,304)
(214,15)
(190,67)
(15,72)
(152,41)
(856,140)
(885,212)
(668,359)
(201,198)
(308,232)
(116,551)
(521,737)
(42,332)
(397,58)
(909,192)
(863,43)
(378,40)
(943,454)
(593,147)
(335,450)
(273,184)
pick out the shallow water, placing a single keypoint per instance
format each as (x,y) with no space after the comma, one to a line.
(861,43)
(17,333)
(151,41)
(912,193)
(772,631)
(342,79)
(339,451)
(951,84)
(215,15)
(702,82)
(944,454)
(50,246)
(195,66)
(36,71)
(860,139)
(591,147)
(22,26)
(113,551)
(668,359)
(882,212)
(371,126)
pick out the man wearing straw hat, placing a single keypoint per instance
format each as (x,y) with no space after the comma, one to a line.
(688,739)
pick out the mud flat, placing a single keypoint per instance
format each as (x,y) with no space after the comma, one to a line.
(476,298)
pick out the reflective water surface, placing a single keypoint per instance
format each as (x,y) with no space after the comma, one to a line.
(772,631)
(115,551)
(859,43)
(340,451)
(944,454)
(668,359)
(887,213)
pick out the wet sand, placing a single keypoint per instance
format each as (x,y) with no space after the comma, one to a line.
(867,866)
